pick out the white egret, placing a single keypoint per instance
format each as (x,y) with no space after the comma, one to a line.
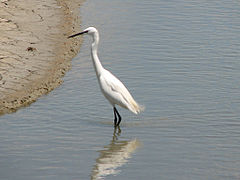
(112,88)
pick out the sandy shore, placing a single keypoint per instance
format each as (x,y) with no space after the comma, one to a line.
(34,50)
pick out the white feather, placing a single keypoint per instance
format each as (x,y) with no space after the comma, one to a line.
(116,93)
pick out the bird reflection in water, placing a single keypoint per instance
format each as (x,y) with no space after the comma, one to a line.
(113,156)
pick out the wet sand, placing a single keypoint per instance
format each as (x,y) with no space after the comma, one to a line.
(34,50)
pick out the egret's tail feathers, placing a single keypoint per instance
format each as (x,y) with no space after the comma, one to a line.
(136,108)
(141,108)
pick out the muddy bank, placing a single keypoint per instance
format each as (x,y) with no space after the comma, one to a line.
(34,50)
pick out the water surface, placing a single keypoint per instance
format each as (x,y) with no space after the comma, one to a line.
(180,59)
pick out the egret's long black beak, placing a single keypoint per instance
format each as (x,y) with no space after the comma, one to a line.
(74,35)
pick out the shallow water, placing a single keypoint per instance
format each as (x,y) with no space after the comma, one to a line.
(180,59)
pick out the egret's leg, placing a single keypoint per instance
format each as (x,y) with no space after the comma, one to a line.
(119,117)
(116,133)
(115,117)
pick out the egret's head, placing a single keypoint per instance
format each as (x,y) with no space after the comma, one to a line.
(90,31)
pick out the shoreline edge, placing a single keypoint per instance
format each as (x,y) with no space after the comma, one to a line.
(34,50)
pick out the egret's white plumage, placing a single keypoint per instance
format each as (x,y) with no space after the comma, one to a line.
(112,88)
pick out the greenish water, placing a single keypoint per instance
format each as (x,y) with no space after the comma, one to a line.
(180,59)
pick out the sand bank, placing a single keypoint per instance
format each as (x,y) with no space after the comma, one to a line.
(34,50)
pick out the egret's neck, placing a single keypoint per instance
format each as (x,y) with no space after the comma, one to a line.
(96,62)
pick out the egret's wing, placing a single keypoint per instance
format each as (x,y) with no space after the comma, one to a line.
(113,86)
(117,86)
(116,92)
